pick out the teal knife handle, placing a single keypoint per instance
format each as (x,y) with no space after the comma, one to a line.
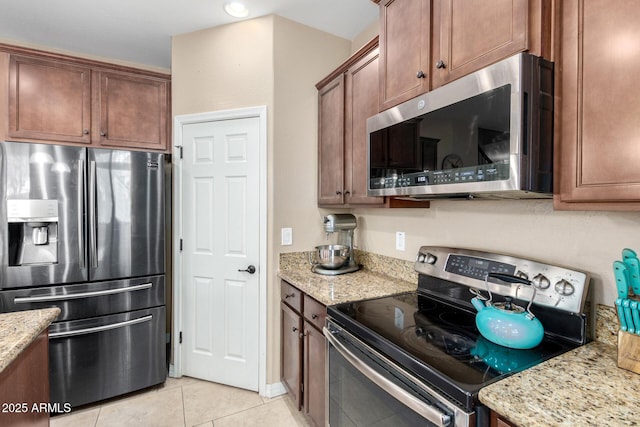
(628,253)
(622,283)
(623,323)
(626,305)
(633,272)
(636,316)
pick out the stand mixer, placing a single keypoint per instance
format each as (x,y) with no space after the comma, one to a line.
(338,258)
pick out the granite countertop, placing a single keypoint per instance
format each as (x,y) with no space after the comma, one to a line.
(21,328)
(583,387)
(379,276)
(359,285)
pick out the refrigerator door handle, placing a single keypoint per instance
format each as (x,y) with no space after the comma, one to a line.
(93,232)
(47,298)
(82,182)
(101,328)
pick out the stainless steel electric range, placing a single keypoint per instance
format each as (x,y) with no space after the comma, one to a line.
(418,358)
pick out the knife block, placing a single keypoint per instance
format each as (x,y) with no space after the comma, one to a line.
(629,351)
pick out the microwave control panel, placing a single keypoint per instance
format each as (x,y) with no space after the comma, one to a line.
(492,172)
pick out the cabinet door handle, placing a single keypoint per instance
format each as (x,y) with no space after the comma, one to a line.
(103,133)
(294,329)
(346,193)
(420,74)
(314,316)
(338,192)
(440,65)
(85,131)
(291,295)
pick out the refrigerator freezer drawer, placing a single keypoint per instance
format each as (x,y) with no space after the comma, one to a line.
(99,358)
(89,299)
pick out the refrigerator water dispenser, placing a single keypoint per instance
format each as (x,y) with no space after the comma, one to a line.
(33,232)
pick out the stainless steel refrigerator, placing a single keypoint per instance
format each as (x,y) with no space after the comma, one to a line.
(83,229)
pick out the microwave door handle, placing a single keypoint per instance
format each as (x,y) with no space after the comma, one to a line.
(429,412)
(93,233)
(82,182)
(108,327)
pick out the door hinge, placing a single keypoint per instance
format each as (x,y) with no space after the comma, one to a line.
(180,245)
(179,147)
(180,338)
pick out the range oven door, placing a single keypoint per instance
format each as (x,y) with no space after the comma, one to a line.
(365,388)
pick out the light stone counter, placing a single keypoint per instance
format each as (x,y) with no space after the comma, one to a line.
(354,286)
(583,387)
(21,328)
(380,276)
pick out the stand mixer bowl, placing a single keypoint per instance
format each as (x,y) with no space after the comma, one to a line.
(330,257)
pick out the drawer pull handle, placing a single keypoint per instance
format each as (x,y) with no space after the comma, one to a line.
(47,298)
(101,328)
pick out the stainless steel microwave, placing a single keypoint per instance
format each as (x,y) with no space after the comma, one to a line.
(488,134)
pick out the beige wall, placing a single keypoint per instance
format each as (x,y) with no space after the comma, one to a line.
(589,241)
(275,62)
(224,67)
(302,57)
(367,34)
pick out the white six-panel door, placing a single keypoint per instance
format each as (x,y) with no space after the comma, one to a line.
(220,232)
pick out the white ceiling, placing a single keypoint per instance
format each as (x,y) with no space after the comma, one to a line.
(140,30)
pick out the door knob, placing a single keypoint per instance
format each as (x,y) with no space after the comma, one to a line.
(251,269)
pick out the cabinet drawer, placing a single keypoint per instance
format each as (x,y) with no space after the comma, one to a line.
(291,295)
(314,312)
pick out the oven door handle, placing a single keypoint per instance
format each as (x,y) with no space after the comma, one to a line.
(46,298)
(54,335)
(429,412)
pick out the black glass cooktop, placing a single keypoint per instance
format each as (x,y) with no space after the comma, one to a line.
(438,342)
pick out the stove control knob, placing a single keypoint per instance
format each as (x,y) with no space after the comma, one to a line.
(521,274)
(420,257)
(564,288)
(541,282)
(430,258)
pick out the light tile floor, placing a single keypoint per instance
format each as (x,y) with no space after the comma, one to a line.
(187,402)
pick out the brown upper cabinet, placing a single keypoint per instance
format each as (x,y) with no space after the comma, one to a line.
(597,126)
(59,99)
(49,100)
(405,29)
(425,44)
(132,111)
(346,98)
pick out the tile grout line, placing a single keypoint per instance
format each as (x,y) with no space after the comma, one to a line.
(184,407)
(98,417)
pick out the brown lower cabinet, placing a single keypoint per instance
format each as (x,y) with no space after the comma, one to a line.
(498,420)
(303,351)
(24,387)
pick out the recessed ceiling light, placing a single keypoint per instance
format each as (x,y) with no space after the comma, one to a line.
(236,9)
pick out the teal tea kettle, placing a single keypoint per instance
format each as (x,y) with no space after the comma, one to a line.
(506,323)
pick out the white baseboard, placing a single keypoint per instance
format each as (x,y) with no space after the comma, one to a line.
(274,390)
